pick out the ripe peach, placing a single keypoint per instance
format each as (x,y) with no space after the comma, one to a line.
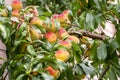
(62,55)
(51,37)
(66,44)
(16,5)
(73,38)
(53,72)
(15,13)
(63,19)
(36,21)
(55,16)
(62,33)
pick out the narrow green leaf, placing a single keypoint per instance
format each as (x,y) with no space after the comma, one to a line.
(31,50)
(3,31)
(102,51)
(20,77)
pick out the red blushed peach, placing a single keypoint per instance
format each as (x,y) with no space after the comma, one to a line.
(16,5)
(36,21)
(66,44)
(51,37)
(62,33)
(62,55)
(63,19)
(73,38)
(53,72)
(55,16)
(15,13)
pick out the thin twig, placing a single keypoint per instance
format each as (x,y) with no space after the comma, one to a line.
(104,72)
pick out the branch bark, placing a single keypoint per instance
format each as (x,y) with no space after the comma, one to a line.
(88,34)
(104,72)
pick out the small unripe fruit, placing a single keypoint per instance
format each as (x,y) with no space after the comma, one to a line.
(51,37)
(84,40)
(16,5)
(62,55)
(15,13)
(66,44)
(34,35)
(34,73)
(53,72)
(73,38)
(62,33)
(36,21)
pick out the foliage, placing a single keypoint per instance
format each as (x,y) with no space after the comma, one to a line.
(28,56)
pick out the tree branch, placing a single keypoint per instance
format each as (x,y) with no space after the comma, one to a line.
(88,34)
(104,72)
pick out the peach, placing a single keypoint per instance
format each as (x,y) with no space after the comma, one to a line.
(66,44)
(53,72)
(16,5)
(63,19)
(51,37)
(62,33)
(15,13)
(36,21)
(73,38)
(62,55)
(35,35)
(55,16)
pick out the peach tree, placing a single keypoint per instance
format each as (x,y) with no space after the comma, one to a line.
(60,40)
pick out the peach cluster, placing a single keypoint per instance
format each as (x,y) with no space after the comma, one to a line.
(54,34)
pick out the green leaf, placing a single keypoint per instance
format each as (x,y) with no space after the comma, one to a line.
(117,36)
(97,4)
(3,31)
(76,51)
(90,21)
(69,73)
(112,75)
(89,70)
(102,51)
(79,70)
(116,70)
(20,77)
(62,65)
(113,46)
(18,56)
(47,77)
(31,50)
